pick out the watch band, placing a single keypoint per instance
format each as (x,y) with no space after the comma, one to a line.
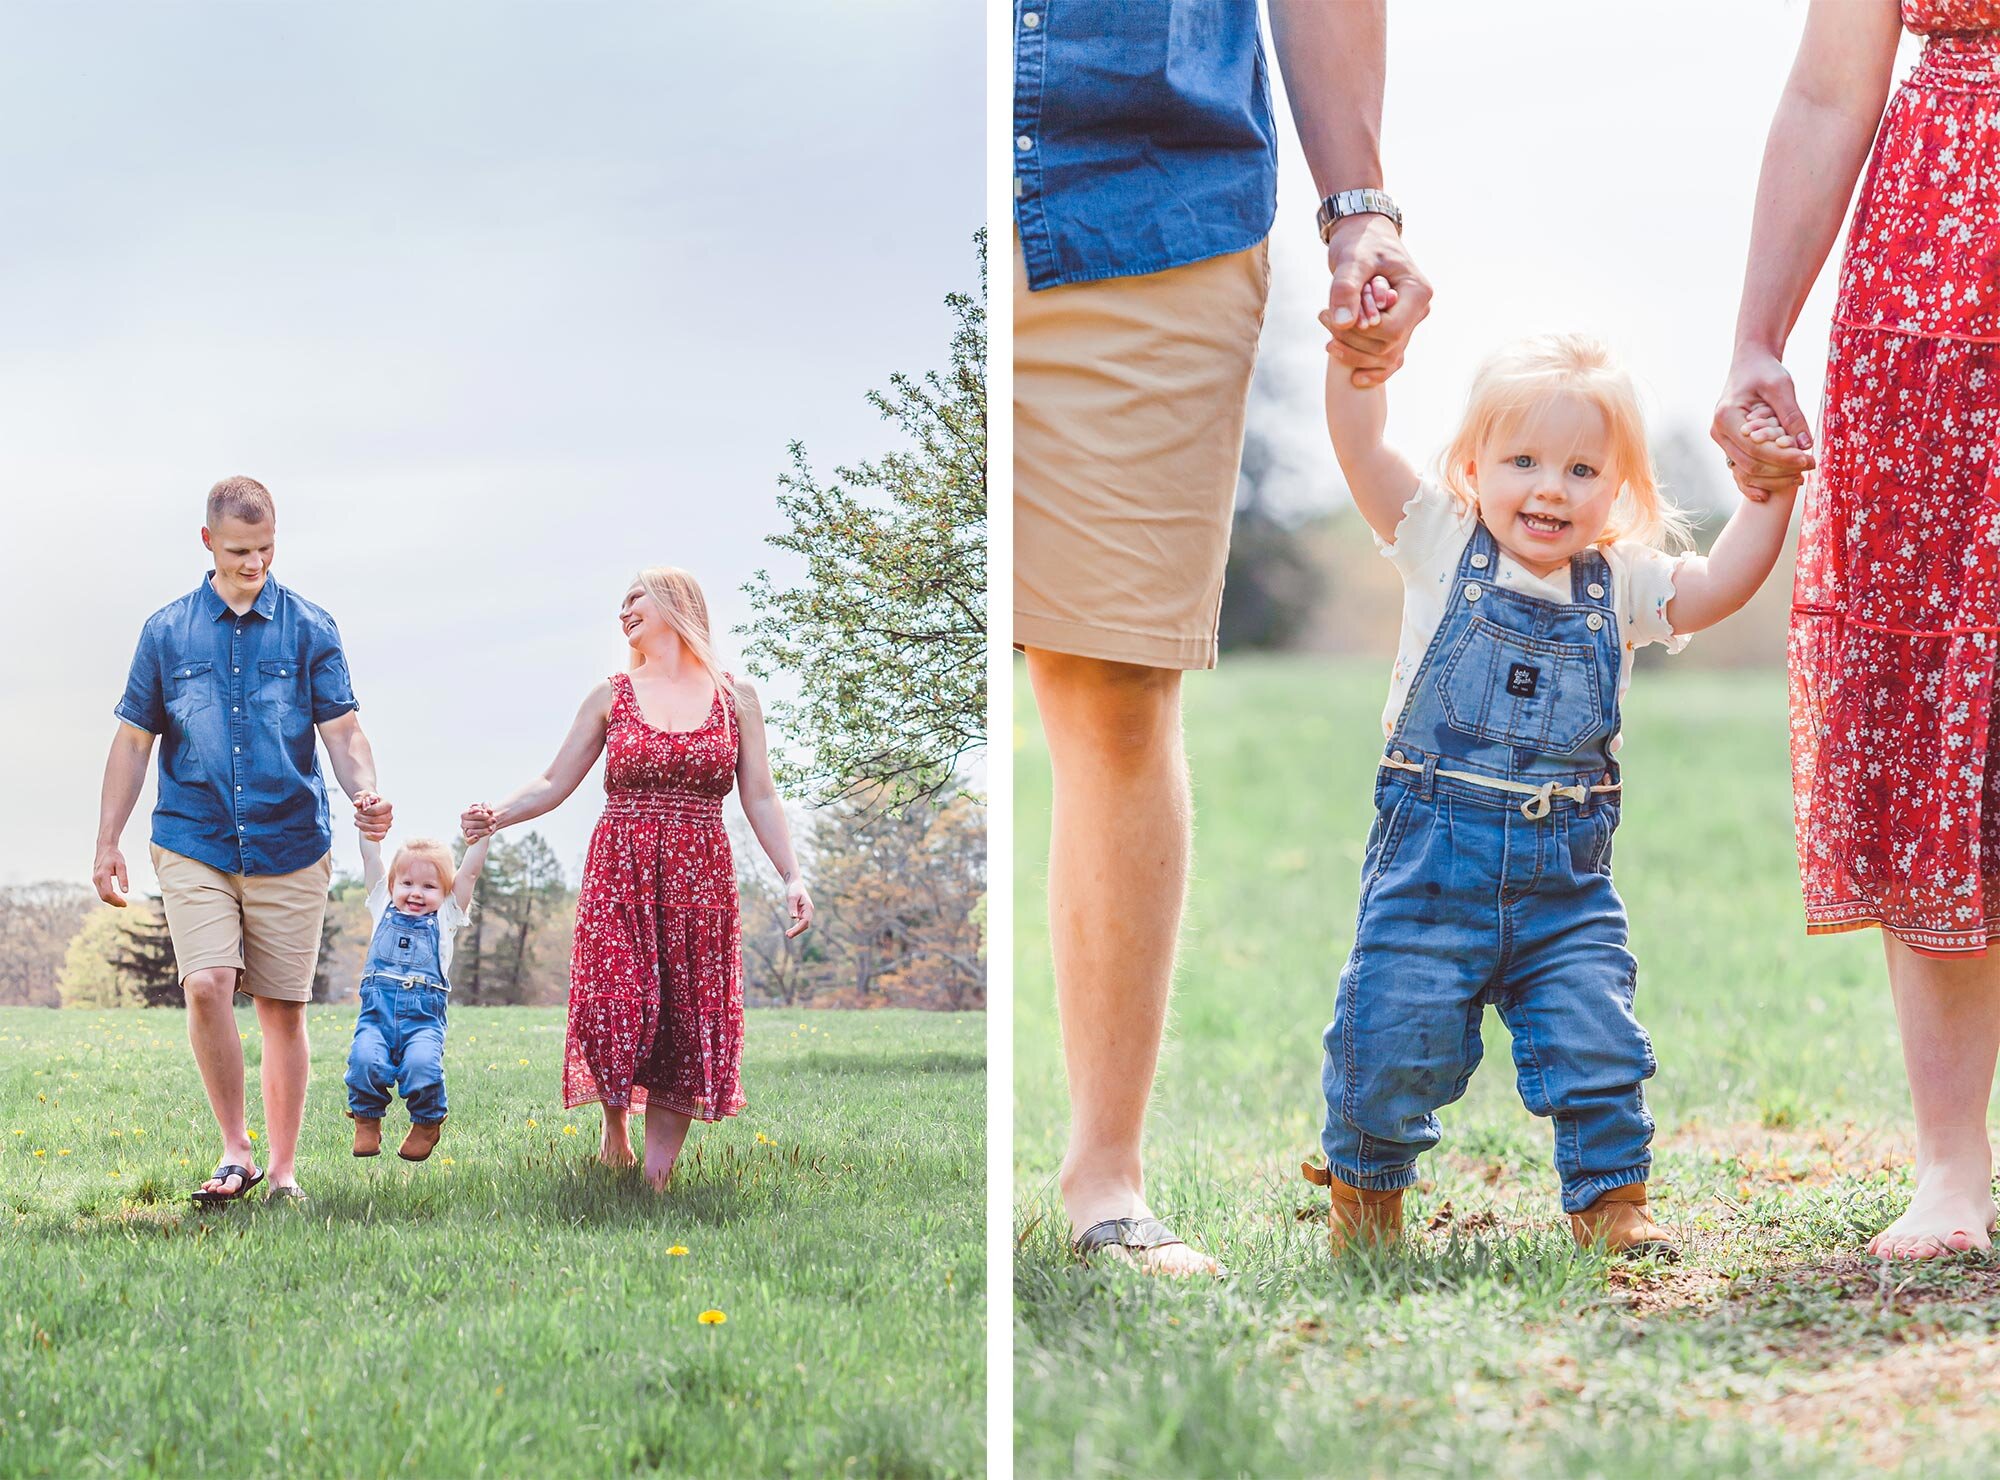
(1368,202)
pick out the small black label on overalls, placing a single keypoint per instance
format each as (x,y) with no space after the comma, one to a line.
(402,942)
(1522,680)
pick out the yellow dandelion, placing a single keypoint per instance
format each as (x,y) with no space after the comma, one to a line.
(569,1130)
(447,1161)
(138,1133)
(253,1135)
(678,1249)
(523,1063)
(20,1133)
(532,1122)
(40,1152)
(63,1151)
(118,1133)
(711,1318)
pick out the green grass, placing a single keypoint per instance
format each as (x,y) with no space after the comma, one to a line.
(1489,1345)
(508,1308)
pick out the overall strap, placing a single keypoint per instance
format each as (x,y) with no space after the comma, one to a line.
(1590,580)
(1480,559)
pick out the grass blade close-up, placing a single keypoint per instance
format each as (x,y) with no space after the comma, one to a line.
(1488,1344)
(509,1307)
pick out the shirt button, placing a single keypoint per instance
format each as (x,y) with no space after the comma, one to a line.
(1471,591)
(236,670)
(236,750)
(1596,591)
(233,709)
(1479,562)
(1031,20)
(1024,143)
(1594,621)
(239,788)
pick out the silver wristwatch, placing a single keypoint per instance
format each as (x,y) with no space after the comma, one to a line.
(1368,202)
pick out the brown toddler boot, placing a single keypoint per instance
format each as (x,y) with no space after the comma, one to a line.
(421,1141)
(367,1135)
(1619,1222)
(1357,1212)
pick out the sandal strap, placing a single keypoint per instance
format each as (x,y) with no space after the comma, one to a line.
(1138,1234)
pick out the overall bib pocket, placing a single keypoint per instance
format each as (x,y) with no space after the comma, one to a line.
(1513,690)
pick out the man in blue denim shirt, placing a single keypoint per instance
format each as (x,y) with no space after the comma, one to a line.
(237,678)
(1146,182)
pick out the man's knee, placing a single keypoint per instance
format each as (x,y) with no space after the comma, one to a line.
(211,987)
(1122,712)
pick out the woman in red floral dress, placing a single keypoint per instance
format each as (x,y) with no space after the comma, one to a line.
(656,972)
(1896,610)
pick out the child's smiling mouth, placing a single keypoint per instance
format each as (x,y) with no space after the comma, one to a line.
(1543,524)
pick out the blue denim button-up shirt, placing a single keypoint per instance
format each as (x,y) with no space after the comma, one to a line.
(1142,135)
(234,701)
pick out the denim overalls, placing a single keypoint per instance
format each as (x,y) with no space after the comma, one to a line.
(1473,892)
(399,1039)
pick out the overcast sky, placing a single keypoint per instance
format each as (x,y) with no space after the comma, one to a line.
(1561,165)
(502,301)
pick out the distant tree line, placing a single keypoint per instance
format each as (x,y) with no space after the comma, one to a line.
(901,923)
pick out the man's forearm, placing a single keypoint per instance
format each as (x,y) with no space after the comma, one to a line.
(1334,55)
(353,762)
(124,775)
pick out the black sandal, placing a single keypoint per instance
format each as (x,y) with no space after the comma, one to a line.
(1135,1235)
(222,1174)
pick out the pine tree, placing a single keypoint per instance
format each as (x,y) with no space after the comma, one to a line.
(145,959)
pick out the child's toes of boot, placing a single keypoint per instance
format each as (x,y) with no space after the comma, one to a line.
(367,1135)
(421,1141)
(1357,1214)
(1621,1223)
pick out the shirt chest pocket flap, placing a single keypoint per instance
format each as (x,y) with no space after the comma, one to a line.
(280,684)
(190,688)
(1515,690)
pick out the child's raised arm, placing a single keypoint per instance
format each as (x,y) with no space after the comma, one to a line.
(373,870)
(1379,479)
(1708,588)
(467,877)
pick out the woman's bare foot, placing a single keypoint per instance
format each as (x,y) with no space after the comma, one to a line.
(1951,1213)
(615,1149)
(1091,1200)
(666,1133)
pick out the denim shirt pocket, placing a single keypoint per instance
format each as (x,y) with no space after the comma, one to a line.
(1512,690)
(190,689)
(280,682)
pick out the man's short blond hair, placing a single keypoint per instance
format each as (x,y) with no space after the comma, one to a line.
(240,498)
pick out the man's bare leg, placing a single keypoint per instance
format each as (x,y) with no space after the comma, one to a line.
(614,1148)
(1118,862)
(287,1068)
(1948,1011)
(218,1055)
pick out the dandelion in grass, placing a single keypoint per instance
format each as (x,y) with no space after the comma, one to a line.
(20,1133)
(711,1318)
(677,1250)
(532,1122)
(523,1063)
(253,1135)
(447,1161)
(62,1151)
(569,1130)
(40,1152)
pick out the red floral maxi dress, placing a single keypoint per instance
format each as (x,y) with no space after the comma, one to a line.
(1896,609)
(656,973)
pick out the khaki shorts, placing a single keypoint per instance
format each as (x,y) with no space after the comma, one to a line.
(1128,430)
(263,925)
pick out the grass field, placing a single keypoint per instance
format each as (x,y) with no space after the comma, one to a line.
(1489,1345)
(508,1308)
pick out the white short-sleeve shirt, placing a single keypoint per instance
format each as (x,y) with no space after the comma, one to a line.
(1430,538)
(451,919)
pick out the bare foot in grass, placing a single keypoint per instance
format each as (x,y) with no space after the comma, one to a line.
(1951,1213)
(615,1149)
(1091,1201)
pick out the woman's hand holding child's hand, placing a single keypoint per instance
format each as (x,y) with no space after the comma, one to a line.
(476,822)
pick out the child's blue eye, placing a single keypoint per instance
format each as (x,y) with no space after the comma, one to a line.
(1582,470)
(1521,460)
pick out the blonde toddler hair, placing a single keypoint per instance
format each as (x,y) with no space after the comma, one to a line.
(678,595)
(1521,375)
(425,850)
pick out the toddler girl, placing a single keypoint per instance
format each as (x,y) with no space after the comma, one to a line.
(1533,566)
(419,905)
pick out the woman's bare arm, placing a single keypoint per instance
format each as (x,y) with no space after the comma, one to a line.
(1826,119)
(579,752)
(758,792)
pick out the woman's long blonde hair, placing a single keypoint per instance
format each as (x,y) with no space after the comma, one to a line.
(678,595)
(1519,376)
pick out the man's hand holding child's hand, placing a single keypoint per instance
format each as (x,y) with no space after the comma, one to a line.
(373,816)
